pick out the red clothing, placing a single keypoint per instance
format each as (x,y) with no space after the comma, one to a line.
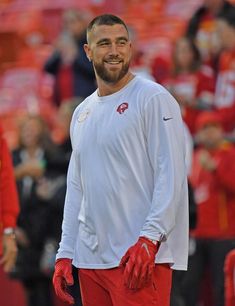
(229,273)
(160,69)
(9,205)
(65,82)
(105,287)
(215,194)
(192,87)
(225,90)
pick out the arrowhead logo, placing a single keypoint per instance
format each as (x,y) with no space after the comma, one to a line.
(122,108)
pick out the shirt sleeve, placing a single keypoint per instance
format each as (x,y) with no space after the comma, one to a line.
(71,208)
(166,149)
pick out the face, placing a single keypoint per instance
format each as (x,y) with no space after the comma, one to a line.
(183,54)
(210,135)
(74,25)
(31,132)
(226,34)
(109,49)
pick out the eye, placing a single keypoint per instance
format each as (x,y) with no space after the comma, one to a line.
(122,42)
(104,43)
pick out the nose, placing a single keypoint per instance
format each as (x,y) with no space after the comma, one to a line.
(113,49)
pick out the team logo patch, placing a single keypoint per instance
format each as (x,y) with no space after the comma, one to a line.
(83,115)
(122,108)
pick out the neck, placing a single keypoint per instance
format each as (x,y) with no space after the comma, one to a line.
(105,89)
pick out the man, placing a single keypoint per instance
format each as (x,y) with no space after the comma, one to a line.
(9,208)
(126,212)
(74,75)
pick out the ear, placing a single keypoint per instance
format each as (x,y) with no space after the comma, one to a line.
(87,51)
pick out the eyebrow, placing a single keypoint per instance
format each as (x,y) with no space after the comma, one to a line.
(108,40)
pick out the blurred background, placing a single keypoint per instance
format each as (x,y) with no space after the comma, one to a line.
(44,75)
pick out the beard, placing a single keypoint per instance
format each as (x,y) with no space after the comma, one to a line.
(111,76)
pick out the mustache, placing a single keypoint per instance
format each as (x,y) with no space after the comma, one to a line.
(117,58)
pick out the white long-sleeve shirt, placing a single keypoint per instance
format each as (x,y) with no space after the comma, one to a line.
(127,178)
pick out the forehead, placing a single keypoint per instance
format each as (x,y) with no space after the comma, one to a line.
(108,32)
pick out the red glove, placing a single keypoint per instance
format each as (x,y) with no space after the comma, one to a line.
(62,278)
(229,270)
(139,262)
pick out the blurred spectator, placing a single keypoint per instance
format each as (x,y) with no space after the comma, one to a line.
(9,208)
(229,270)
(74,75)
(139,64)
(202,29)
(160,69)
(214,188)
(191,83)
(37,180)
(225,87)
(178,279)
(64,117)
(178,276)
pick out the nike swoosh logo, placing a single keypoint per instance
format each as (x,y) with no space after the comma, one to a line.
(167,118)
(144,245)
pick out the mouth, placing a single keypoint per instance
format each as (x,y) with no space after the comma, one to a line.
(113,63)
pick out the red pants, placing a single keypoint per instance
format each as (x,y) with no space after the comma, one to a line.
(105,288)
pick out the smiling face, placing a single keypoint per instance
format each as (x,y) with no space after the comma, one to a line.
(109,49)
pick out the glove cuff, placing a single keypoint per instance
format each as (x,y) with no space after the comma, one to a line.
(63,261)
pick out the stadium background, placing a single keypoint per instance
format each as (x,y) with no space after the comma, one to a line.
(27,31)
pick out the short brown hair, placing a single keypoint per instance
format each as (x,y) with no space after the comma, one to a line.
(105,19)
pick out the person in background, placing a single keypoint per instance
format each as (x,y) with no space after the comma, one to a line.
(191,83)
(225,86)
(64,117)
(202,30)
(214,190)
(9,208)
(229,280)
(74,75)
(125,222)
(35,171)
(139,63)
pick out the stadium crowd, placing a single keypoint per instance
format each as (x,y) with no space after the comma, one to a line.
(44,75)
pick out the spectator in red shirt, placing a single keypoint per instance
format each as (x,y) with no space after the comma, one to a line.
(9,207)
(202,29)
(191,83)
(225,87)
(212,178)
